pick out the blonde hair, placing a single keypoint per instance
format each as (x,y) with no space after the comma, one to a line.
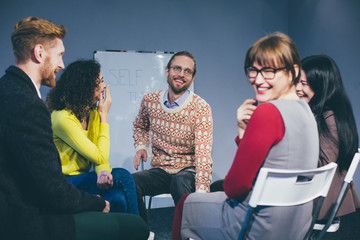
(31,31)
(275,50)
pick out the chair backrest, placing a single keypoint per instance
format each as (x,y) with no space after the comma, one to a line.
(282,187)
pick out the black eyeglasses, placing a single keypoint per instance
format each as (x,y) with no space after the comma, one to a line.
(266,72)
(178,69)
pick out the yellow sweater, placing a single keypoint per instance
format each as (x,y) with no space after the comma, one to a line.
(79,148)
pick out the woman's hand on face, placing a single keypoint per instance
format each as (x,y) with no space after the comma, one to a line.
(243,115)
(104,104)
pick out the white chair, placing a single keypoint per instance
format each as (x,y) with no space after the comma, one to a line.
(331,225)
(150,198)
(281,187)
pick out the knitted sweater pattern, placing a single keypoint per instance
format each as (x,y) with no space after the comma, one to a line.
(180,137)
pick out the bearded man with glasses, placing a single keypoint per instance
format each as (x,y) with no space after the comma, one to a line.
(179,124)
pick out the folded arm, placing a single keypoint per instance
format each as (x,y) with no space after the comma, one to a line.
(265,129)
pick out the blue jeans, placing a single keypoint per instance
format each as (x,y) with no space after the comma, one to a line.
(122,196)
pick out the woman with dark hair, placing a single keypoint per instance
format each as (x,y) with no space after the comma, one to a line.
(322,87)
(269,135)
(81,135)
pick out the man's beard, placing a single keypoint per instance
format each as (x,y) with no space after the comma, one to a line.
(47,73)
(177,90)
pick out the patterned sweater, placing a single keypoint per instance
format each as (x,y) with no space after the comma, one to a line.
(180,137)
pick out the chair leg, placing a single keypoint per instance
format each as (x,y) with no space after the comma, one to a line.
(309,233)
(150,199)
(246,223)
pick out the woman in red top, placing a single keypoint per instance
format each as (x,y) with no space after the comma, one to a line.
(279,133)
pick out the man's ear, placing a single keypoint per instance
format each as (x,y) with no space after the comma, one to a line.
(39,53)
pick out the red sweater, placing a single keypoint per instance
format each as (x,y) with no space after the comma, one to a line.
(264,130)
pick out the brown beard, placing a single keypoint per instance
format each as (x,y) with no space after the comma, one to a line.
(48,76)
(177,90)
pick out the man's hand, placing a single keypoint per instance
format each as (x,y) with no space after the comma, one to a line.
(104,180)
(140,154)
(107,207)
(243,115)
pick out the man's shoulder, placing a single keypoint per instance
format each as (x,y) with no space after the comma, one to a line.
(16,93)
(13,75)
(153,96)
(199,101)
(15,82)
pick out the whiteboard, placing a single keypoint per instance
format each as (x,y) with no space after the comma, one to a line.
(130,76)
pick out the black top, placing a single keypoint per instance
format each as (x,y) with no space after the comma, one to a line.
(36,201)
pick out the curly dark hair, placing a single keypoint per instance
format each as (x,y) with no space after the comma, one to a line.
(75,89)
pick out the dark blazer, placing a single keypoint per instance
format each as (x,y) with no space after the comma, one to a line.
(330,152)
(36,201)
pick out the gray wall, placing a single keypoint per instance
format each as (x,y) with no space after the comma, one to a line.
(217,32)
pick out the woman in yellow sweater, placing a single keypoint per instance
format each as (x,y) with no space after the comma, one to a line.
(81,135)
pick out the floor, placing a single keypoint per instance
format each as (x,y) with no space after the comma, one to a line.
(349,228)
(160,220)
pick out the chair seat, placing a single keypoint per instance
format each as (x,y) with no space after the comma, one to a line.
(164,195)
(333,227)
(161,203)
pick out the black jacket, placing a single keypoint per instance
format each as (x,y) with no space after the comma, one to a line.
(36,201)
